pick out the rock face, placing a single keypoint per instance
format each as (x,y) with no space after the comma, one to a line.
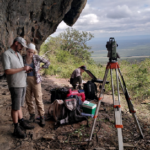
(35,20)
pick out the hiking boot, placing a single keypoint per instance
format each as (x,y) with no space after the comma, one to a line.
(26,125)
(32,118)
(18,132)
(42,121)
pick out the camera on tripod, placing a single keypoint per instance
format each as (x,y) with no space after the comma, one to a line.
(111,47)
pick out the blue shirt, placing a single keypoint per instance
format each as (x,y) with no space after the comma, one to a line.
(32,73)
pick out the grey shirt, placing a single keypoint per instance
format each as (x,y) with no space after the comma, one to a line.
(76,73)
(11,61)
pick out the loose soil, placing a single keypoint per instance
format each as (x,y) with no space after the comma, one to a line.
(74,136)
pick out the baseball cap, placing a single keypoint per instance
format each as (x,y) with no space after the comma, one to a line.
(21,41)
(31,46)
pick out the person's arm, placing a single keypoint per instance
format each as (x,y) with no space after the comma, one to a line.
(7,65)
(43,60)
(78,72)
(13,71)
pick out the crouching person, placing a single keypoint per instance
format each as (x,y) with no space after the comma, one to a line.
(16,78)
(34,83)
(76,77)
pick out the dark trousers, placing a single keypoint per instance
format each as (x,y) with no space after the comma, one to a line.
(75,80)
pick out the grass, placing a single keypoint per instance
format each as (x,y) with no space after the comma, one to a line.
(136,74)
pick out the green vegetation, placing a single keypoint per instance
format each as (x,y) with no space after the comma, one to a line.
(68,51)
(137,78)
(74,42)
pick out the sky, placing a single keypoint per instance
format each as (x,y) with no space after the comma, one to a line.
(119,18)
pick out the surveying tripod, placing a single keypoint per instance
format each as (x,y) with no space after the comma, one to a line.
(117,107)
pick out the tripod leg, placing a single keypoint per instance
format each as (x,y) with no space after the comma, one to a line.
(138,125)
(130,105)
(99,102)
(117,111)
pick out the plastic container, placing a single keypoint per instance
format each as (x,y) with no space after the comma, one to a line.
(89,108)
(85,114)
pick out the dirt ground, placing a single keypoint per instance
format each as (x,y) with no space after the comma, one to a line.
(74,136)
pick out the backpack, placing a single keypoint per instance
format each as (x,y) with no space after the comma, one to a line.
(90,90)
(58,93)
(72,109)
(56,110)
(77,99)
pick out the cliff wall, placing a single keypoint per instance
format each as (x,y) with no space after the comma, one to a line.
(35,20)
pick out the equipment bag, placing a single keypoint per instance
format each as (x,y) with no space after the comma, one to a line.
(58,93)
(76,92)
(57,110)
(72,105)
(90,90)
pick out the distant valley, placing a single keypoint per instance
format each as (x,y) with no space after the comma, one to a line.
(135,48)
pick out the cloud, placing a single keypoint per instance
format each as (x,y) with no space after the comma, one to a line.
(88,19)
(63,26)
(119,12)
(104,18)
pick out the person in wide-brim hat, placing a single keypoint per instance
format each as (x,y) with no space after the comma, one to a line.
(76,77)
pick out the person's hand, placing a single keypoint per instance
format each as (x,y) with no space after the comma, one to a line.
(29,71)
(27,68)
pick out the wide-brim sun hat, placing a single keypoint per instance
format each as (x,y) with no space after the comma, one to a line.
(83,67)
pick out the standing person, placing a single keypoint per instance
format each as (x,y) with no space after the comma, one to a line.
(76,77)
(34,83)
(16,78)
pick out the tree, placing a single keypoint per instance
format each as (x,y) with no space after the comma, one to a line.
(50,46)
(68,51)
(75,42)
(70,41)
